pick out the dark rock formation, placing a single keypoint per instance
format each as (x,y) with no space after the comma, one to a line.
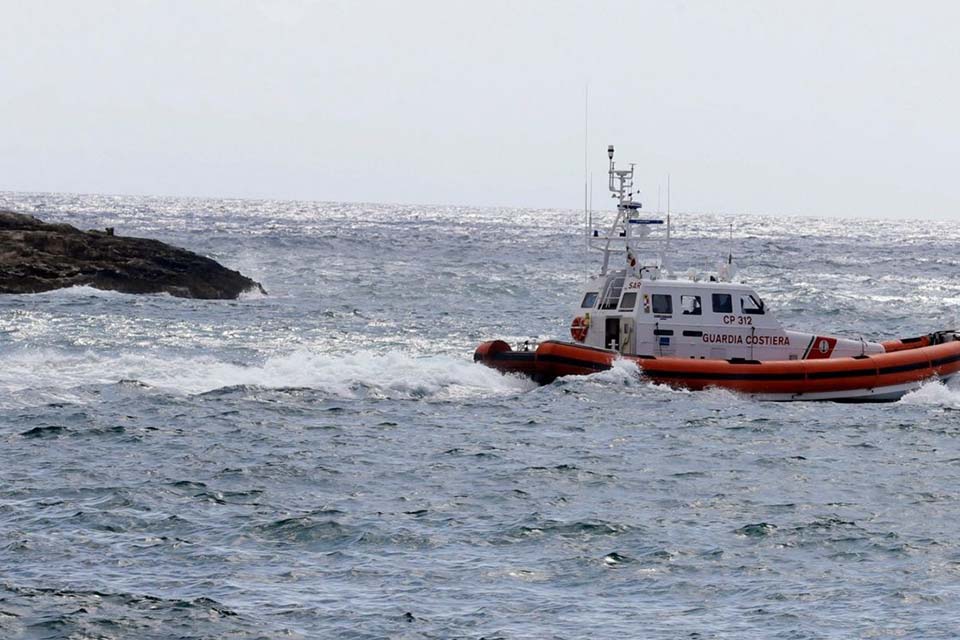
(36,256)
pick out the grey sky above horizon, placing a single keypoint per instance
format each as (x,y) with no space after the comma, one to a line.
(821,108)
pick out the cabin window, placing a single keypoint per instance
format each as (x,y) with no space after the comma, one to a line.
(751,304)
(662,304)
(629,301)
(690,306)
(589,300)
(611,295)
(722,303)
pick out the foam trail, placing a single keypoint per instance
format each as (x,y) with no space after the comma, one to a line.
(934,394)
(623,373)
(86,291)
(393,374)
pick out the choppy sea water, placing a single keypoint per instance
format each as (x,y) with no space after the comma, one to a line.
(328,462)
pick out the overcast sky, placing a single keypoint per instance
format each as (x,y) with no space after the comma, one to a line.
(825,108)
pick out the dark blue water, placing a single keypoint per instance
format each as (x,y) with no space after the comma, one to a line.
(327,461)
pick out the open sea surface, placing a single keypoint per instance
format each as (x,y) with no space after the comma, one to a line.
(328,462)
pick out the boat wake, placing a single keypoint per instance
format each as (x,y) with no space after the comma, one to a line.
(622,373)
(627,375)
(29,376)
(935,394)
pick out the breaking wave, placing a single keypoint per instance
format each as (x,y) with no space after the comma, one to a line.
(935,394)
(362,374)
(625,373)
(86,291)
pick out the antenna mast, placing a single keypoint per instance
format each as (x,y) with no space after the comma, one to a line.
(629,231)
(730,247)
(587,217)
(666,253)
(668,195)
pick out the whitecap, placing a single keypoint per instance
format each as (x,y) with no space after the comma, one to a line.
(86,291)
(623,372)
(392,374)
(934,394)
(253,293)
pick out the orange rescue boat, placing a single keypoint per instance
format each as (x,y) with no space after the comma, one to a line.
(709,331)
(877,377)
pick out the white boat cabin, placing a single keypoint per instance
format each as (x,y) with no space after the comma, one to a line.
(687,319)
(642,309)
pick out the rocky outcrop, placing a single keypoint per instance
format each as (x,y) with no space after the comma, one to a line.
(36,256)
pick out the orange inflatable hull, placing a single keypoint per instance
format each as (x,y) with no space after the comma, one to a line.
(904,366)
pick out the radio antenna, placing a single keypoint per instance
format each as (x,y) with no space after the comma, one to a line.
(667,251)
(730,249)
(591,204)
(668,194)
(586,133)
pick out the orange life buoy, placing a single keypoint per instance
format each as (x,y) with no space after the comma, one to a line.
(578,328)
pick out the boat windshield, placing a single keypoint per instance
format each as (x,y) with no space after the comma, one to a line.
(611,295)
(751,304)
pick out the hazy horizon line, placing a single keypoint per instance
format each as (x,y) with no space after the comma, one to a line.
(796,214)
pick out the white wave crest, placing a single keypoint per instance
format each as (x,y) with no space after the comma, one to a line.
(253,293)
(391,375)
(623,373)
(934,394)
(629,374)
(86,291)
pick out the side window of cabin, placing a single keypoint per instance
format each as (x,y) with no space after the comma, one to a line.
(750,304)
(690,306)
(722,303)
(629,301)
(589,300)
(662,304)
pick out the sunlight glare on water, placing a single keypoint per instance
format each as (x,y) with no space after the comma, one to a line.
(328,461)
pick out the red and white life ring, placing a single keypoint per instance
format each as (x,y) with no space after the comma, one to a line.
(578,328)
